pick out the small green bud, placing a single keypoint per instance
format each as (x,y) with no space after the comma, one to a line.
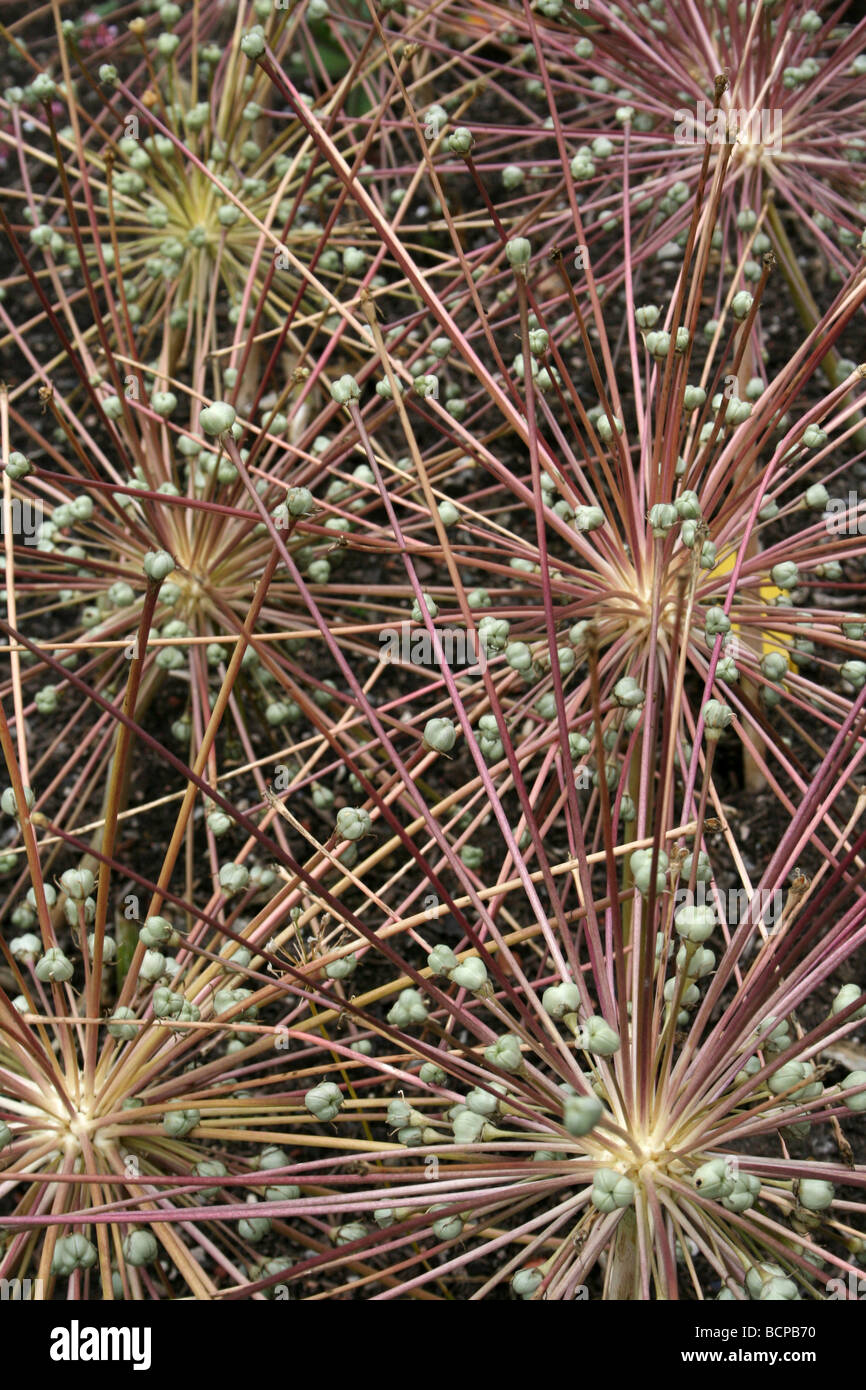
(611,1190)
(216,419)
(815,1194)
(440,735)
(54,966)
(595,1035)
(580,1114)
(324,1100)
(518,251)
(140,1248)
(158,564)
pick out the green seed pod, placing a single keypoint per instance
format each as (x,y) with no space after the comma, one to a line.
(582,167)
(164,403)
(210,1168)
(662,518)
(741,305)
(153,965)
(785,575)
(226,1000)
(717,621)
(717,717)
(442,960)
(814,437)
(694,397)
(158,564)
(18,466)
(505,1053)
(471,975)
(218,418)
(409,1009)
(854,672)
(9,803)
(689,996)
(611,1190)
(759,1275)
(400,1114)
(641,872)
(121,595)
(815,1194)
(254,1228)
(447,1227)
(165,1003)
(688,506)
(854,1078)
(460,140)
(561,999)
(353,823)
(54,967)
(71,1253)
(715,1178)
(324,1101)
(696,965)
(345,389)
(486,1103)
(178,1123)
(748,1071)
(342,969)
(695,923)
(432,1075)
(580,1114)
(595,1035)
(218,823)
(774,666)
(816,497)
(430,605)
(6,1135)
(518,656)
(156,931)
(233,878)
(109,945)
(845,997)
(283,1192)
(253,42)
(744,1193)
(467,1126)
(518,251)
(647,316)
(628,693)
(77,883)
(776,1036)
(779,1289)
(785,1077)
(140,1248)
(124,1031)
(26,948)
(440,735)
(526,1281)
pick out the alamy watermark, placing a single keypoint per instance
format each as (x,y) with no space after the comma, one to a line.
(846,516)
(21,1290)
(746,126)
(24,519)
(764,905)
(410,645)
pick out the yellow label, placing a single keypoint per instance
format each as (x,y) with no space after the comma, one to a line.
(770,641)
